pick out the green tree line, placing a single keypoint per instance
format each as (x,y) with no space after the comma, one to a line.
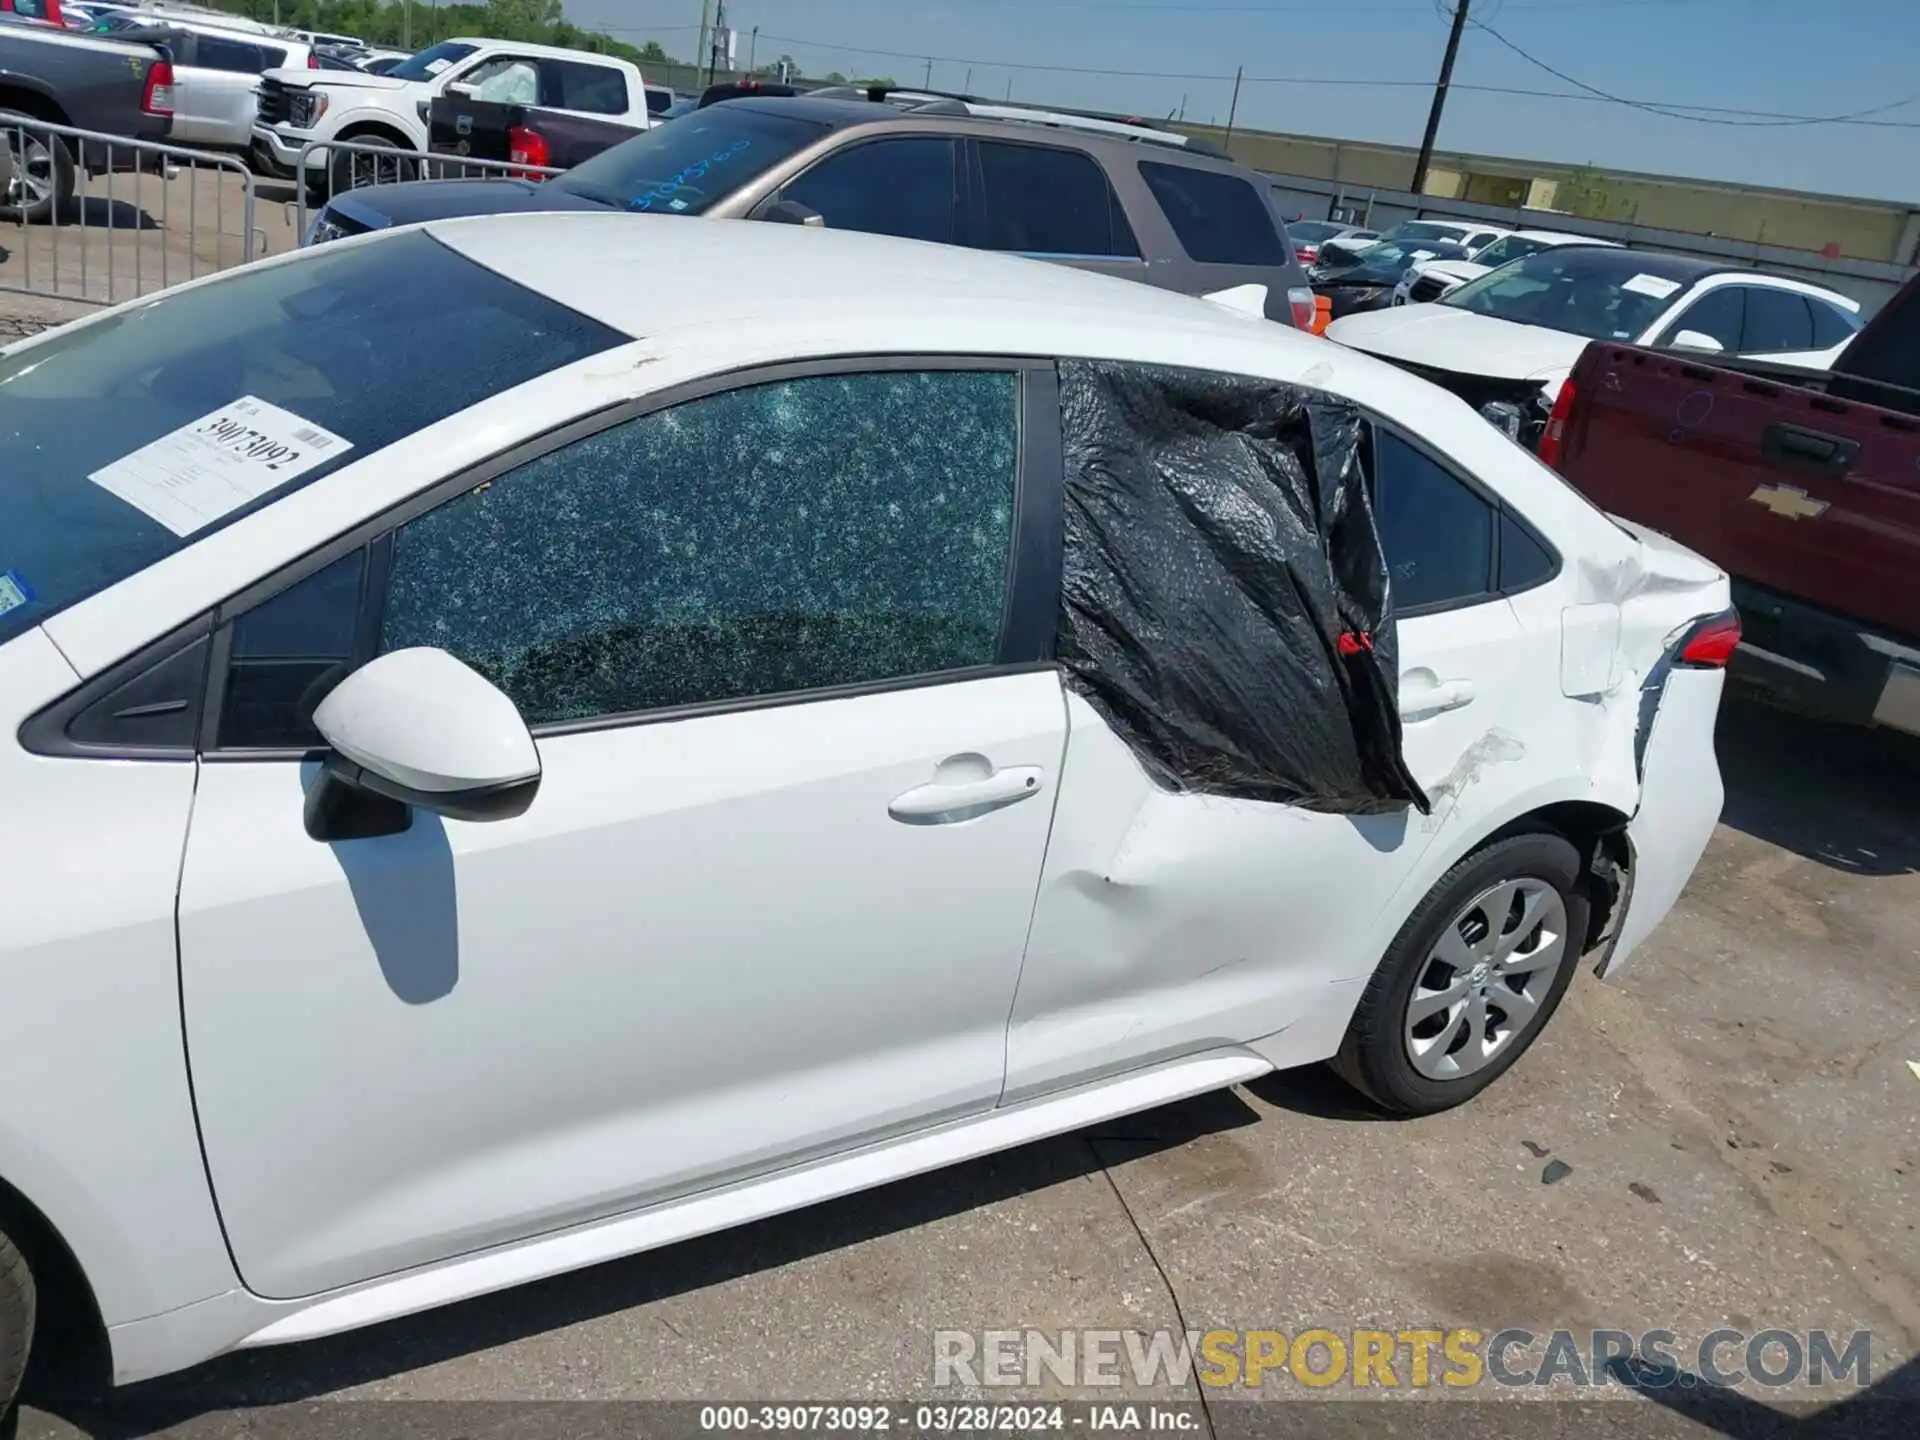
(393,25)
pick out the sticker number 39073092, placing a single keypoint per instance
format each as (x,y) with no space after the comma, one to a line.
(212,466)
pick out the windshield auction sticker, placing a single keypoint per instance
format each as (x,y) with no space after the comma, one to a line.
(212,466)
(14,592)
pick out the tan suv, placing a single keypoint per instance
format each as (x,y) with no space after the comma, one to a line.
(1120,197)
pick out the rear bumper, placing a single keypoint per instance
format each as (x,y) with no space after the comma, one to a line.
(1825,665)
(1681,794)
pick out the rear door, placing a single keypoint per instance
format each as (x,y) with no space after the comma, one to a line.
(595,92)
(228,71)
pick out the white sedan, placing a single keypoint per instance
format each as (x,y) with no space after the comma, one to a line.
(1441,277)
(531,738)
(1527,322)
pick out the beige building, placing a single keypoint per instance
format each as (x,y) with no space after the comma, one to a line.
(1883,230)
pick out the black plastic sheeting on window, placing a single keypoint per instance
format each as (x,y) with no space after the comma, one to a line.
(1225,602)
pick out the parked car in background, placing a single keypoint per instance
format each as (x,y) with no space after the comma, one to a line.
(493,656)
(86,82)
(1804,486)
(1508,339)
(1126,200)
(1471,238)
(382,62)
(1428,280)
(1368,281)
(1308,236)
(302,108)
(216,74)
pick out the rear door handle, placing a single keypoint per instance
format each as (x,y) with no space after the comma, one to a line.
(952,798)
(1798,448)
(1432,700)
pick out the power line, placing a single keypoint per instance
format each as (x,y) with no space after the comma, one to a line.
(1678,110)
(1586,94)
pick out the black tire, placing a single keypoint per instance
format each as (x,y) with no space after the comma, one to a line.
(1375,1056)
(41,188)
(348,169)
(16,1325)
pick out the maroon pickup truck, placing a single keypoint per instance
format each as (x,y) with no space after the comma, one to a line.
(1804,486)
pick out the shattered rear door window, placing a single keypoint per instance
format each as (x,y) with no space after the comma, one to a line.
(794,536)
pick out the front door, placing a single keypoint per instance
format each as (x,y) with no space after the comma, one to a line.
(772,897)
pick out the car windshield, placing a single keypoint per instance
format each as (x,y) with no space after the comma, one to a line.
(682,168)
(1311,232)
(1603,294)
(123,440)
(431,61)
(1399,254)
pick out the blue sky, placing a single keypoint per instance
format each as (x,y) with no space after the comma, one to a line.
(1792,57)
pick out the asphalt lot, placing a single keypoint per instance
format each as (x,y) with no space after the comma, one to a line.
(1737,1113)
(131,235)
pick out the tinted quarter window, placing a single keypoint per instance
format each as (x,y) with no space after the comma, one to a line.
(1831,326)
(1524,561)
(1219,218)
(287,653)
(1719,314)
(592,89)
(885,187)
(780,538)
(1436,532)
(1776,320)
(1038,200)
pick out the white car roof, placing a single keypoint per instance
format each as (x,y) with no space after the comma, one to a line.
(1562,237)
(558,52)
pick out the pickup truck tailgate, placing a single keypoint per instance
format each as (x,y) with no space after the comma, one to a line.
(1789,489)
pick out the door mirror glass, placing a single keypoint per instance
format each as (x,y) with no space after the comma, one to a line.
(1696,340)
(419,728)
(791,212)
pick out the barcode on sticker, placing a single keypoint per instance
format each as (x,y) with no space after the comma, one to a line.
(319,439)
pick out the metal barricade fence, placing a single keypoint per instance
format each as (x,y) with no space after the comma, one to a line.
(352,165)
(97,219)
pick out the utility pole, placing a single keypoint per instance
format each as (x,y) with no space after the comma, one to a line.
(753,45)
(700,46)
(1234,108)
(927,84)
(1440,97)
(719,29)
(406,23)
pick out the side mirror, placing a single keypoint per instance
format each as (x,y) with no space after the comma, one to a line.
(791,212)
(417,728)
(1695,340)
(460,90)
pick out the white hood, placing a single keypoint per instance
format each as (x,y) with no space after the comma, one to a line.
(338,79)
(1444,337)
(1461,270)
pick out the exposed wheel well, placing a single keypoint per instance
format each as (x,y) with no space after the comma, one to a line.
(70,1334)
(31,102)
(363,129)
(1599,833)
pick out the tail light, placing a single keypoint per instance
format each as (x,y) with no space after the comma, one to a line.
(1553,438)
(313,61)
(528,147)
(1300,301)
(158,99)
(1322,314)
(1306,254)
(1711,643)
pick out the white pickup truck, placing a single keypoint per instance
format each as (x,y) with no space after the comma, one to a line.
(298,108)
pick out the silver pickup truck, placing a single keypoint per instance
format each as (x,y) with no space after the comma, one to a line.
(87,82)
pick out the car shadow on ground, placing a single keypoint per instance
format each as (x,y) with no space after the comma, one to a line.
(73,1387)
(1841,795)
(98,212)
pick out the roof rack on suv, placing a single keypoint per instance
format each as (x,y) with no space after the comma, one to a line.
(945,102)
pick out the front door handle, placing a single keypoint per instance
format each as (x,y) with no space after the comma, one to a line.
(965,788)
(1432,700)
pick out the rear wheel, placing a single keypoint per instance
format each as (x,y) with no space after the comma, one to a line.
(40,179)
(16,1324)
(1471,979)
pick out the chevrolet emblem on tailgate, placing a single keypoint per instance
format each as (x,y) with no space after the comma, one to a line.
(1788,502)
